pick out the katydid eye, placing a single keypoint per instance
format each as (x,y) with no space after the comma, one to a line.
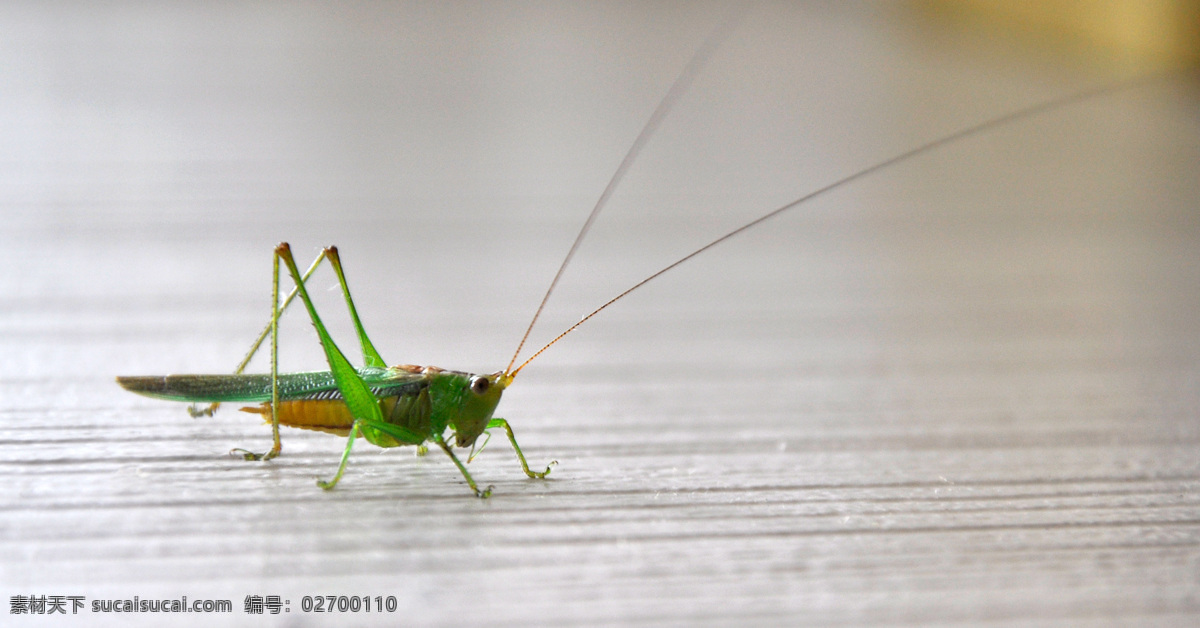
(479,385)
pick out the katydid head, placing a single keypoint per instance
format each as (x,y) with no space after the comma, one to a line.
(480,394)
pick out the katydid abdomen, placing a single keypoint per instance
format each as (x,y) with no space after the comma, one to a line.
(333,415)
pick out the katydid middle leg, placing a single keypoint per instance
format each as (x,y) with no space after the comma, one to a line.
(484,494)
(374,433)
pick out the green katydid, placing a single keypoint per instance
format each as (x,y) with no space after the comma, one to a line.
(412,405)
(388,406)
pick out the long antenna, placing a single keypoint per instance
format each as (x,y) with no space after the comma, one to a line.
(682,82)
(976,129)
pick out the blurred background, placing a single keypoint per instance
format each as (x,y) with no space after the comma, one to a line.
(1131,35)
(964,388)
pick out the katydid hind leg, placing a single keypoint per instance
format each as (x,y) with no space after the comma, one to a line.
(355,392)
(208,410)
(517,448)
(357,395)
(273,328)
(371,357)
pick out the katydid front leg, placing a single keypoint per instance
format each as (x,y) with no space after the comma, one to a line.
(517,448)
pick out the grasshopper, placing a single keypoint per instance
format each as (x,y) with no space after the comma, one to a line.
(413,405)
(388,406)
(398,405)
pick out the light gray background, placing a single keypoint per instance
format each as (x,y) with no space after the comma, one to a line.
(967,388)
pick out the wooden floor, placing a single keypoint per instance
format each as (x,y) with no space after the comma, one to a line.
(963,390)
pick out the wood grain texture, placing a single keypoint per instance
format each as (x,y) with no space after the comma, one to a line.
(964,390)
